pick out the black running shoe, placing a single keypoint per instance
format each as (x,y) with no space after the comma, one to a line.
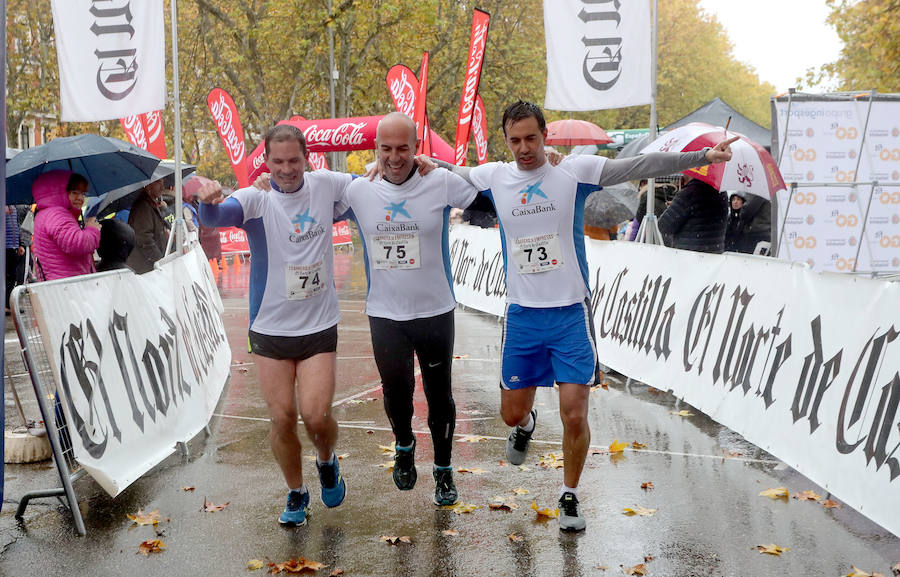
(444,488)
(405,468)
(517,443)
(569,517)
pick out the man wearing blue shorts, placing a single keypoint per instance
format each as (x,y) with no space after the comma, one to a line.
(548,334)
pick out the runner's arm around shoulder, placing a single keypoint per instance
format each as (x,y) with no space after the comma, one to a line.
(656,164)
(215,209)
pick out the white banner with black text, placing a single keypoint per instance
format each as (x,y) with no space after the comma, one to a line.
(139,362)
(773,350)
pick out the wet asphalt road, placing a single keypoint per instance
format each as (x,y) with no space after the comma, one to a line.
(706,481)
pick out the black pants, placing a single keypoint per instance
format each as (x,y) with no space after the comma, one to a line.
(431,339)
(15,268)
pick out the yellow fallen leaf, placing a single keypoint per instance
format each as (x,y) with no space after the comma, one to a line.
(638,510)
(472,439)
(637,445)
(647,486)
(545,513)
(141,518)
(807,496)
(472,471)
(389,465)
(388,450)
(776,493)
(551,461)
(682,413)
(520,491)
(617,447)
(503,506)
(772,549)
(515,538)
(831,504)
(856,572)
(462,508)
(639,569)
(297,565)
(393,540)
(151,546)
(188,488)
(450,532)
(336,573)
(254,564)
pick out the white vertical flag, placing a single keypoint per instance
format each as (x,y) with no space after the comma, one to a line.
(598,53)
(111,58)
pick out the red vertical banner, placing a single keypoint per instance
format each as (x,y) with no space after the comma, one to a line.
(479,130)
(419,110)
(404,87)
(228,124)
(480,22)
(135,130)
(156,136)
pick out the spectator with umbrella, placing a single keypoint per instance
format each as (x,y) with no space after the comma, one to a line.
(696,218)
(151,231)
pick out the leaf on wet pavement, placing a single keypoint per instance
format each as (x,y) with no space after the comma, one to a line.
(394,540)
(520,491)
(515,538)
(551,461)
(545,513)
(617,447)
(389,465)
(857,572)
(638,510)
(501,505)
(388,450)
(462,508)
(600,567)
(209,507)
(776,493)
(296,565)
(254,564)
(502,463)
(682,413)
(639,569)
(362,401)
(336,573)
(648,558)
(188,488)
(472,471)
(831,504)
(472,439)
(807,496)
(647,486)
(151,546)
(772,549)
(450,532)
(524,468)
(637,445)
(141,518)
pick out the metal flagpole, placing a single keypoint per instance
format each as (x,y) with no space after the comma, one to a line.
(649,231)
(3,253)
(179,214)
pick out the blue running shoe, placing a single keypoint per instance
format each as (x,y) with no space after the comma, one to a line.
(333,487)
(295,511)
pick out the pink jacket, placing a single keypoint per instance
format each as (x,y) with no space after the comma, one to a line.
(62,247)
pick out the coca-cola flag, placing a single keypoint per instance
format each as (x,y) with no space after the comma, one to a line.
(404,87)
(598,54)
(111,58)
(135,130)
(477,42)
(317,160)
(421,99)
(479,130)
(156,137)
(228,123)
(256,162)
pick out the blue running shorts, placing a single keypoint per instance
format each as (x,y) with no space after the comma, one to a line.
(546,345)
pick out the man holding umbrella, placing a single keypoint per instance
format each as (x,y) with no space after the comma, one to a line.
(151,232)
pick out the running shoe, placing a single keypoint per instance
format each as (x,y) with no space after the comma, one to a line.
(569,517)
(517,442)
(444,488)
(333,487)
(404,473)
(294,513)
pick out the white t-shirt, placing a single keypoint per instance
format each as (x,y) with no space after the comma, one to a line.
(541,214)
(291,277)
(405,236)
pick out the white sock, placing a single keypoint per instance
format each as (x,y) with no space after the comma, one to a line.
(573,490)
(530,426)
(328,460)
(302,489)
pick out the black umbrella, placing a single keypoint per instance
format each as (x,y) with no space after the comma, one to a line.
(123,197)
(107,163)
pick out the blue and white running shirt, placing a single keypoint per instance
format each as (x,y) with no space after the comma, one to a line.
(291,276)
(405,236)
(541,214)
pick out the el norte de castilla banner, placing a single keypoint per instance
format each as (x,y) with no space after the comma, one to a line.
(804,365)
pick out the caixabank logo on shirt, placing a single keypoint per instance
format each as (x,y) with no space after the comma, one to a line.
(305,227)
(394,213)
(533,200)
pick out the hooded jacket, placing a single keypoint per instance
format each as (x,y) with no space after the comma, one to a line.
(62,247)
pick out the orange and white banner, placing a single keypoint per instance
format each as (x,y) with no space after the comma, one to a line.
(477,43)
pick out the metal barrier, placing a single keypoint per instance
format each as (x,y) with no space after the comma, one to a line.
(38,364)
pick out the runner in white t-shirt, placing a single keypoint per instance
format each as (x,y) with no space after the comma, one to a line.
(293,305)
(548,333)
(403,219)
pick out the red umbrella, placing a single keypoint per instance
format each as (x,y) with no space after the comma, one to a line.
(190,186)
(572,132)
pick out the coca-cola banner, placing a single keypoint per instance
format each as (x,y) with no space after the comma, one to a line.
(134,128)
(256,162)
(233,239)
(156,137)
(228,124)
(404,87)
(419,111)
(317,160)
(479,130)
(478,40)
(111,58)
(340,233)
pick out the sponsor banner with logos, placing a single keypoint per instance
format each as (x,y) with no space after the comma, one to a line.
(116,358)
(228,124)
(598,54)
(824,143)
(111,58)
(815,384)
